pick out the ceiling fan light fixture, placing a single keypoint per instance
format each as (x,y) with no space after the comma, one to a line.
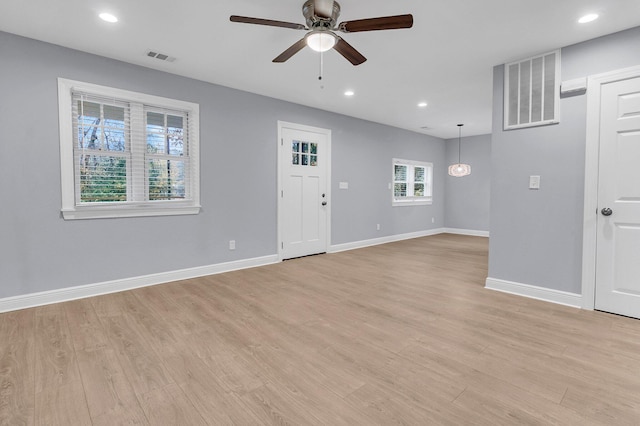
(320,41)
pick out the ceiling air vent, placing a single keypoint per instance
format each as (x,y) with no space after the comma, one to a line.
(160,56)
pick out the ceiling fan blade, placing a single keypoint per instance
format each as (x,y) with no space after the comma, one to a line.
(269,22)
(323,8)
(349,52)
(375,24)
(295,48)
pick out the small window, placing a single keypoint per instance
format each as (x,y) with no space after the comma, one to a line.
(304,153)
(412,182)
(532,91)
(126,154)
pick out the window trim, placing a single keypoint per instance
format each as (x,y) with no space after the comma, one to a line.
(70,209)
(412,200)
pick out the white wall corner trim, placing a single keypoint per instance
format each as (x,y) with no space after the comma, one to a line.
(534,292)
(471,232)
(335,248)
(90,290)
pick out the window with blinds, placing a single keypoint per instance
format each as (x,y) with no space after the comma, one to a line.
(126,154)
(412,182)
(532,91)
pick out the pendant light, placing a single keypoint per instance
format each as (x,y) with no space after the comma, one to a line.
(459,170)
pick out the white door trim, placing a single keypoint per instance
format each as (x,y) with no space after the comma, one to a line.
(280,213)
(589,228)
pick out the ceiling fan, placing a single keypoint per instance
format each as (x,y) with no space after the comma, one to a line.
(322,17)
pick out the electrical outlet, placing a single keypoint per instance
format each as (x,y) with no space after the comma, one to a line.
(232,244)
(433,220)
(378,227)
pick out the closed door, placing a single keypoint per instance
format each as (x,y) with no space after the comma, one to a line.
(618,223)
(304,198)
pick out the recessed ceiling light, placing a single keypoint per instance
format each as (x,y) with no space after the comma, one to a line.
(108,17)
(349,93)
(588,18)
(422,104)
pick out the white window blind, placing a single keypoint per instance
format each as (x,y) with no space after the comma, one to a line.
(126,153)
(102,149)
(412,182)
(532,91)
(167,155)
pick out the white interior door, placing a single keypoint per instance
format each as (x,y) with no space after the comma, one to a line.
(304,156)
(618,224)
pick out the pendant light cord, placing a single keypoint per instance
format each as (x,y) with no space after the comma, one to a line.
(459,138)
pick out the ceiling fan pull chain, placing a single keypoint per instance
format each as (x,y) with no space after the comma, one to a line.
(321,65)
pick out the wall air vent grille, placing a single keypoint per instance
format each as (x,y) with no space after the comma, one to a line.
(532,91)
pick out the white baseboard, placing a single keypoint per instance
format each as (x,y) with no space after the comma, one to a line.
(383,240)
(72,293)
(535,292)
(471,232)
(90,290)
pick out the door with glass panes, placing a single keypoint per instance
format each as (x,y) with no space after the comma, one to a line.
(303,192)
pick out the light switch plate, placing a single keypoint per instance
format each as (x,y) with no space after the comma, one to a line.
(534,182)
(344,185)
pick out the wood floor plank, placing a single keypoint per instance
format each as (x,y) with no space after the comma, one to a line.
(600,405)
(17,360)
(381,407)
(165,306)
(496,403)
(401,333)
(59,393)
(300,384)
(209,396)
(85,327)
(271,405)
(110,396)
(170,406)
(141,365)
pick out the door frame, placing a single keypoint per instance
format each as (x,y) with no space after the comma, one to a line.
(592,157)
(280,205)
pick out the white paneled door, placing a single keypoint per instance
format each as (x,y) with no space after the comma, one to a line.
(304,156)
(618,224)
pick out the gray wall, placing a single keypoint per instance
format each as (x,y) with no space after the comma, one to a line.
(536,236)
(467,200)
(39,251)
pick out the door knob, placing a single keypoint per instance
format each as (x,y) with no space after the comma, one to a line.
(324,203)
(606,211)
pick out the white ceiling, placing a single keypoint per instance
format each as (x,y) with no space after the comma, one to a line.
(446,59)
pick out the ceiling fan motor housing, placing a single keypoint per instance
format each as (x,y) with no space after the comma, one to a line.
(315,19)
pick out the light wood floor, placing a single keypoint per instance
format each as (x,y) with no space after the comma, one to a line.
(402,333)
